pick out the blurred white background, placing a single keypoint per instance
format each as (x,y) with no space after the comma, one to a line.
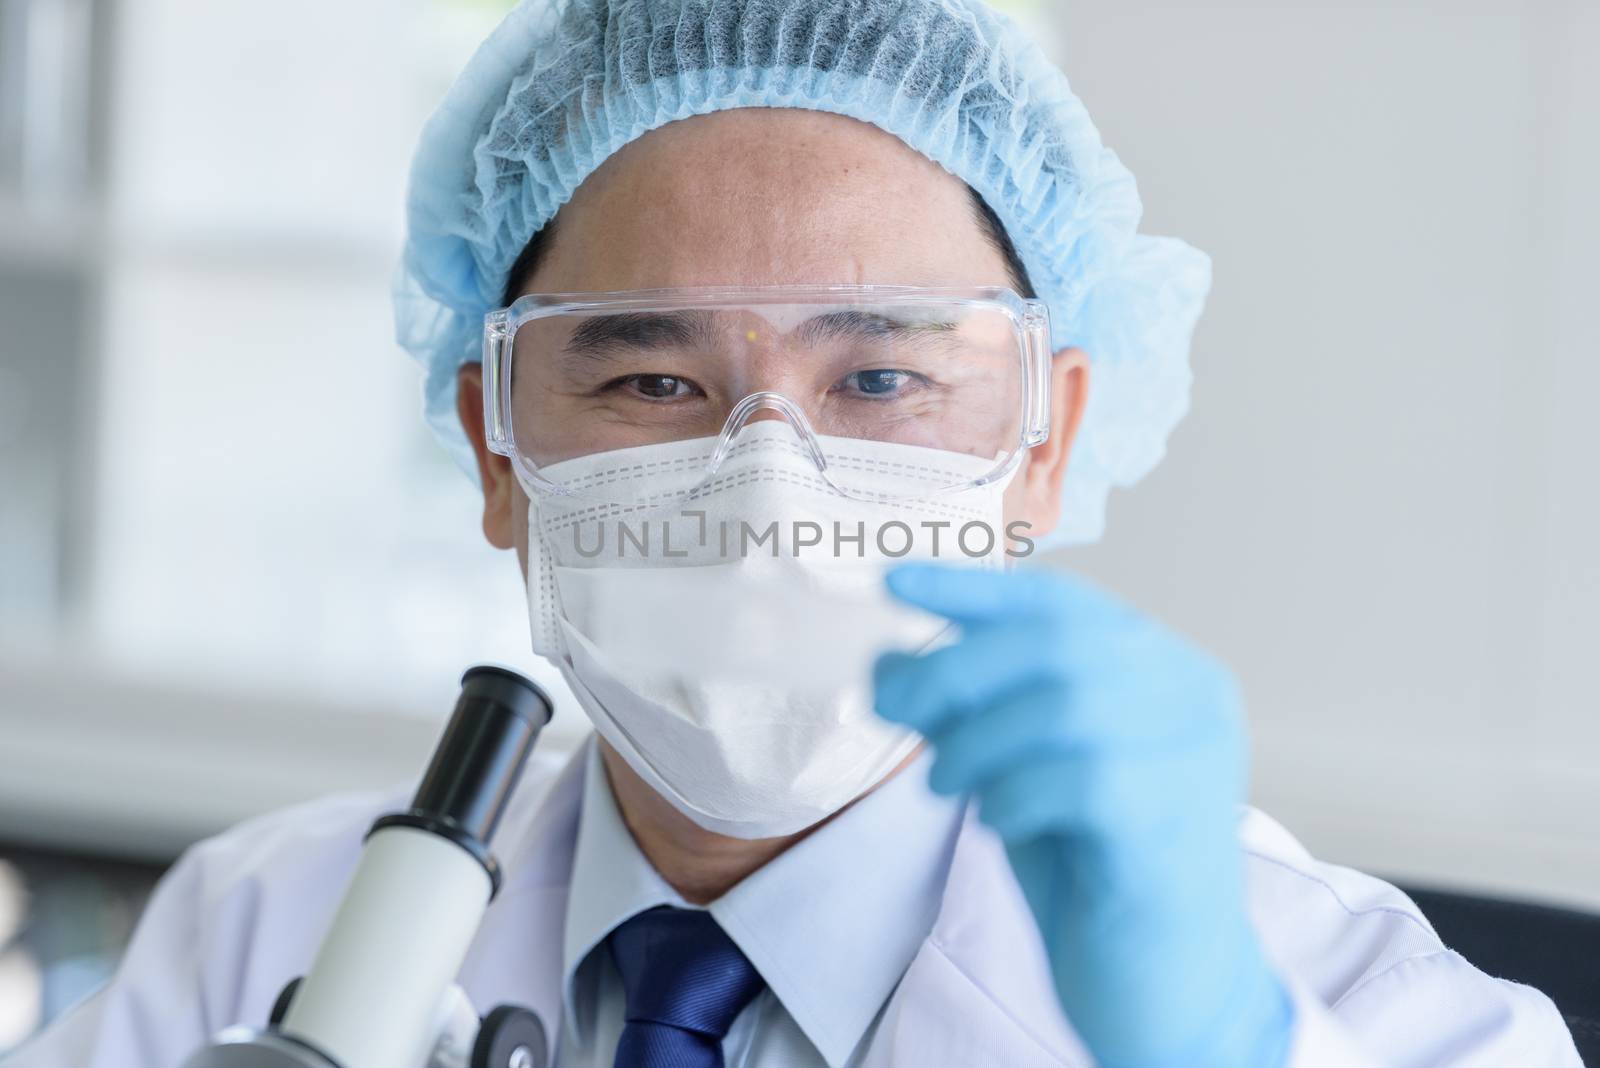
(235,571)
(1385,508)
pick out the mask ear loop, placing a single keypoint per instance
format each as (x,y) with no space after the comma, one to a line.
(544,595)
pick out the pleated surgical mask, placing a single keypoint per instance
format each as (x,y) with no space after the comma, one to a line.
(722,641)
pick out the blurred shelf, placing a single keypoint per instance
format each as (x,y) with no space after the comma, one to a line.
(90,238)
(100,763)
(252,247)
(61,238)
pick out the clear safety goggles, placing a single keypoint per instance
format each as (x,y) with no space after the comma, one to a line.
(568,376)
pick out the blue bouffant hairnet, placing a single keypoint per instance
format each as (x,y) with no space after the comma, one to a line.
(561,85)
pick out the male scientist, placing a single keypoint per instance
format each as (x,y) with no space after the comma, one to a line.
(778,334)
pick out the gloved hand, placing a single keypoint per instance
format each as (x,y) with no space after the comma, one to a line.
(1109,755)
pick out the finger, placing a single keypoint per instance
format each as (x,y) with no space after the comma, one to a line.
(1111,794)
(926,692)
(973,751)
(973,595)
(1041,796)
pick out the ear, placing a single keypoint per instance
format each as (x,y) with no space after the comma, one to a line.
(494,470)
(1035,496)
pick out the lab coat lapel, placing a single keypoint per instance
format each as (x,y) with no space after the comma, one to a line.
(979,990)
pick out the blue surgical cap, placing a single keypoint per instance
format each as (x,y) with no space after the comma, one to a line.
(561,85)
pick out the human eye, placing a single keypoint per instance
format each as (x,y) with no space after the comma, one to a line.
(653,387)
(880,382)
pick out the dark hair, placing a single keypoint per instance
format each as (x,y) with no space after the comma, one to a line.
(534,252)
(527,263)
(1001,240)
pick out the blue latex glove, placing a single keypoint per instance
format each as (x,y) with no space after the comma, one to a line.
(1109,755)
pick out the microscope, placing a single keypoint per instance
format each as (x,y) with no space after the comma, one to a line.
(381,991)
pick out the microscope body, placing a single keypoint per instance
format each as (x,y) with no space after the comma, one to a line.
(381,991)
(461,1040)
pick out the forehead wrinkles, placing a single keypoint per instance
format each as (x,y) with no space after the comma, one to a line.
(761,197)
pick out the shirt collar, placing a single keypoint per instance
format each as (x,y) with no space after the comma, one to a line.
(611,880)
(831,924)
(834,922)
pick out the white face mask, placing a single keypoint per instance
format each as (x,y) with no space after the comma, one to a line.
(723,645)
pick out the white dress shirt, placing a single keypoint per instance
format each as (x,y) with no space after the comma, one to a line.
(830,926)
(830,948)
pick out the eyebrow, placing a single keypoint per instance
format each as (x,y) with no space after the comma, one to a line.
(598,335)
(866,326)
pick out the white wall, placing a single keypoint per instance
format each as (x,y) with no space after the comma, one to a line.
(1384,508)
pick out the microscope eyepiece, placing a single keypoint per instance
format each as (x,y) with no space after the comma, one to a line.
(502,685)
(479,760)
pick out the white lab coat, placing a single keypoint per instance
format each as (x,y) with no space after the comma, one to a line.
(241,914)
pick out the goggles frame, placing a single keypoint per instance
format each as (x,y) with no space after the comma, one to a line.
(1031,319)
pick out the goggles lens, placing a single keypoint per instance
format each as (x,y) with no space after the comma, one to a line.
(842,366)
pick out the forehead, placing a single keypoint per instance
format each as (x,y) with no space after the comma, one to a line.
(768,197)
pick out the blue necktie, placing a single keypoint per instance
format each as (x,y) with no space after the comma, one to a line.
(686,982)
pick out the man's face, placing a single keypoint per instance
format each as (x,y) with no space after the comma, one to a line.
(773,197)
